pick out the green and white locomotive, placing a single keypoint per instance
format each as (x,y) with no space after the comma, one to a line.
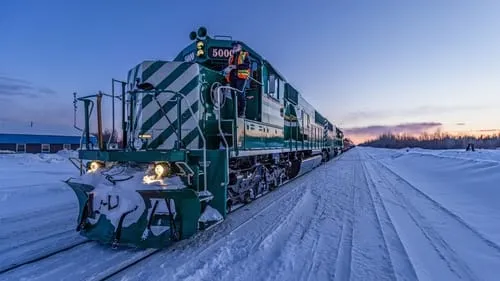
(186,159)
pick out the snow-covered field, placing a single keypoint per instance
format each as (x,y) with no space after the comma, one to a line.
(370,214)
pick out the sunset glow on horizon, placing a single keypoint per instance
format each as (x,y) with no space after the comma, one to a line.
(370,67)
(359,138)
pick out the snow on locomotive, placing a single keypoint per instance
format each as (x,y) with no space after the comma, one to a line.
(186,159)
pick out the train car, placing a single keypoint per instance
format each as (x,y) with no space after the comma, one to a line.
(348,144)
(186,159)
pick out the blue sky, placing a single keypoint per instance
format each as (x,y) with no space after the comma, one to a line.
(414,66)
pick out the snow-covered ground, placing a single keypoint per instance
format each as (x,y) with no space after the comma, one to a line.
(370,214)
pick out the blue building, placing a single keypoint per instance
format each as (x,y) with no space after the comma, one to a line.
(31,137)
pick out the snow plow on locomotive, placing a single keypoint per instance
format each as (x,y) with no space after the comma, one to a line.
(187,159)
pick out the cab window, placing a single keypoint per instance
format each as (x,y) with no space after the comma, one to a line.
(273,85)
(281,89)
(255,74)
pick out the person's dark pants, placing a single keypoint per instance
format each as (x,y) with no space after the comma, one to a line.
(238,84)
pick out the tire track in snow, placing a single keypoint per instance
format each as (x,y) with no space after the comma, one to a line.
(437,204)
(439,245)
(280,244)
(343,258)
(440,233)
(370,256)
(329,224)
(401,263)
(314,265)
(305,254)
(444,209)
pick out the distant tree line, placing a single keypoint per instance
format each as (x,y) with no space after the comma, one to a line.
(436,140)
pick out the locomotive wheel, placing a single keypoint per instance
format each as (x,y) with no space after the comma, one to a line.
(272,186)
(293,170)
(256,191)
(247,198)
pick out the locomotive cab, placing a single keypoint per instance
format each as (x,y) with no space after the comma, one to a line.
(265,81)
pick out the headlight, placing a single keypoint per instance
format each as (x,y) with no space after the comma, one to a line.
(94,166)
(200,49)
(162,170)
(157,173)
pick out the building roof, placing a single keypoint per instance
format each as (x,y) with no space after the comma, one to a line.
(37,128)
(39,139)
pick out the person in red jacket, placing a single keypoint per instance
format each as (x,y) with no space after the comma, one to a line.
(237,74)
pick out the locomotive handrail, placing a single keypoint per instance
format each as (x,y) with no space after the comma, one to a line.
(88,98)
(163,111)
(218,108)
(256,81)
(197,127)
(95,95)
(87,123)
(123,83)
(248,78)
(223,36)
(232,127)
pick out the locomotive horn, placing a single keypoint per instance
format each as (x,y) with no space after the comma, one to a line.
(192,35)
(202,31)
